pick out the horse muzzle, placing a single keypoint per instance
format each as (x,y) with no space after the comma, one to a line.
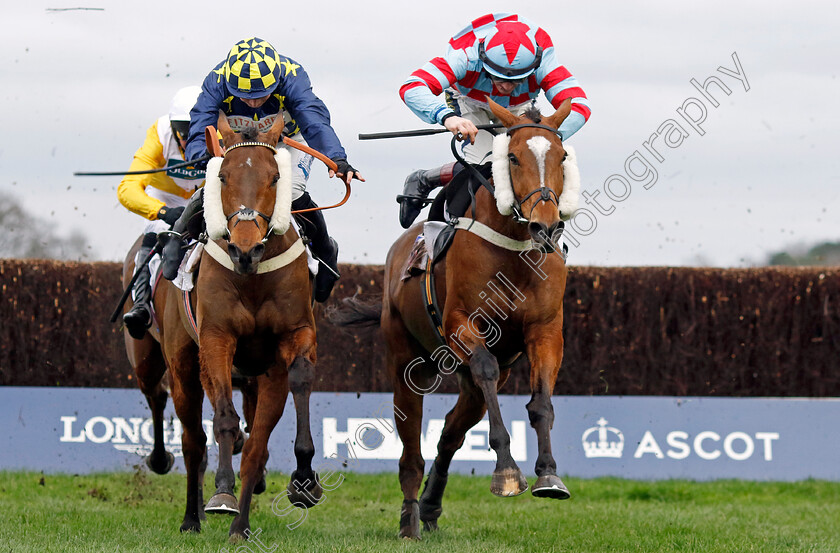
(545,237)
(245,263)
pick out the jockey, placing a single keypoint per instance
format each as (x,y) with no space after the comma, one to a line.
(253,86)
(503,56)
(159,197)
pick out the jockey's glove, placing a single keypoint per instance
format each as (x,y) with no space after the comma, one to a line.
(344,168)
(169,214)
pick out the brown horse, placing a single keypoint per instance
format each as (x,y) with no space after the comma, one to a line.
(485,334)
(252,311)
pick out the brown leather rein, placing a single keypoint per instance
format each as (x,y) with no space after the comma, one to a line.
(212,140)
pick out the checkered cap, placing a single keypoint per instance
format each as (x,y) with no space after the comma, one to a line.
(252,68)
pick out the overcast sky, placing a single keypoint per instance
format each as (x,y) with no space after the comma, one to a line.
(81,88)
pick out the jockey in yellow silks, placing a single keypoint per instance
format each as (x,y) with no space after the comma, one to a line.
(159,197)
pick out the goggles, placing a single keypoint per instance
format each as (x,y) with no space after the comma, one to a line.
(181,129)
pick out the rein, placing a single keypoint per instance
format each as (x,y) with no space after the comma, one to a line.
(212,141)
(546,193)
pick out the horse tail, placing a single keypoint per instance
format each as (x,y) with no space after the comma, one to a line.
(355,311)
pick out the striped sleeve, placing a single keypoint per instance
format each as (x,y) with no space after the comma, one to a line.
(421,90)
(558,83)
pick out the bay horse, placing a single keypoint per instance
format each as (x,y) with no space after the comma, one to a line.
(253,311)
(483,338)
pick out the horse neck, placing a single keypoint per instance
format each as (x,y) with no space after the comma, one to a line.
(486,212)
(278,244)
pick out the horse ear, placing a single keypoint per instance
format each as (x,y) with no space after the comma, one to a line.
(507,118)
(557,118)
(224,127)
(274,133)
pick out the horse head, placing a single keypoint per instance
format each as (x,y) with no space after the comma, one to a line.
(248,193)
(528,171)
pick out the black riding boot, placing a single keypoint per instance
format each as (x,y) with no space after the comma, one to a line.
(314,227)
(139,318)
(175,242)
(417,187)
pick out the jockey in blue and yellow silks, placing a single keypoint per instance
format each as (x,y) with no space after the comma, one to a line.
(253,86)
(159,197)
(503,56)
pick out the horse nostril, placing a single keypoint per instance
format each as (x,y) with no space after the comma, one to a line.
(257,251)
(539,232)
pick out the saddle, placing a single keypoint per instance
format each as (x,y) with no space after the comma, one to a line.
(454,201)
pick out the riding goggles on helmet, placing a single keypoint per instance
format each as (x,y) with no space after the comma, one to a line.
(181,129)
(506,71)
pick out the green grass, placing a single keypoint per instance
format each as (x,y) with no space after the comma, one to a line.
(142,512)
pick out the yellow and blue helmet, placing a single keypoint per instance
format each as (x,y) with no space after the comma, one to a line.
(252,69)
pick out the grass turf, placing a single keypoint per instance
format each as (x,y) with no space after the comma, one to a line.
(142,512)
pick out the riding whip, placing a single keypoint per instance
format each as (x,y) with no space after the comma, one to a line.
(161,170)
(419,132)
(134,278)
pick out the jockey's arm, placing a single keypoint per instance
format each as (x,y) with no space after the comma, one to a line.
(313,118)
(132,189)
(205,112)
(558,84)
(422,90)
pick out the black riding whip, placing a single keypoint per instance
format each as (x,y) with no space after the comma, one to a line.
(419,132)
(161,170)
(132,281)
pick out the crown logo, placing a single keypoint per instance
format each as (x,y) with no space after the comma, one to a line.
(603,446)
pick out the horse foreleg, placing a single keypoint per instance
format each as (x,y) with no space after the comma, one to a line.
(507,480)
(187,396)
(303,488)
(409,420)
(159,460)
(545,356)
(266,411)
(216,357)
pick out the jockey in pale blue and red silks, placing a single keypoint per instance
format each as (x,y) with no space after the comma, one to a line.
(503,56)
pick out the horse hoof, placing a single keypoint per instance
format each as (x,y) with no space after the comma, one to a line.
(508,483)
(222,504)
(410,520)
(550,485)
(430,525)
(237,537)
(191,526)
(260,486)
(158,467)
(431,498)
(307,493)
(239,444)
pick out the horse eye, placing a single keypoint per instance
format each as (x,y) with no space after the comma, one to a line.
(513,159)
(274,180)
(565,155)
(222,179)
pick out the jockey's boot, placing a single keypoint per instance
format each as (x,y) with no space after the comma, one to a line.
(139,318)
(175,241)
(417,187)
(314,227)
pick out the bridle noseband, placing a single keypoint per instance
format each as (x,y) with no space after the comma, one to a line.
(247,213)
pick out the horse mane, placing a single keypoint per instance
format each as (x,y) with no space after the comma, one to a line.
(533,113)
